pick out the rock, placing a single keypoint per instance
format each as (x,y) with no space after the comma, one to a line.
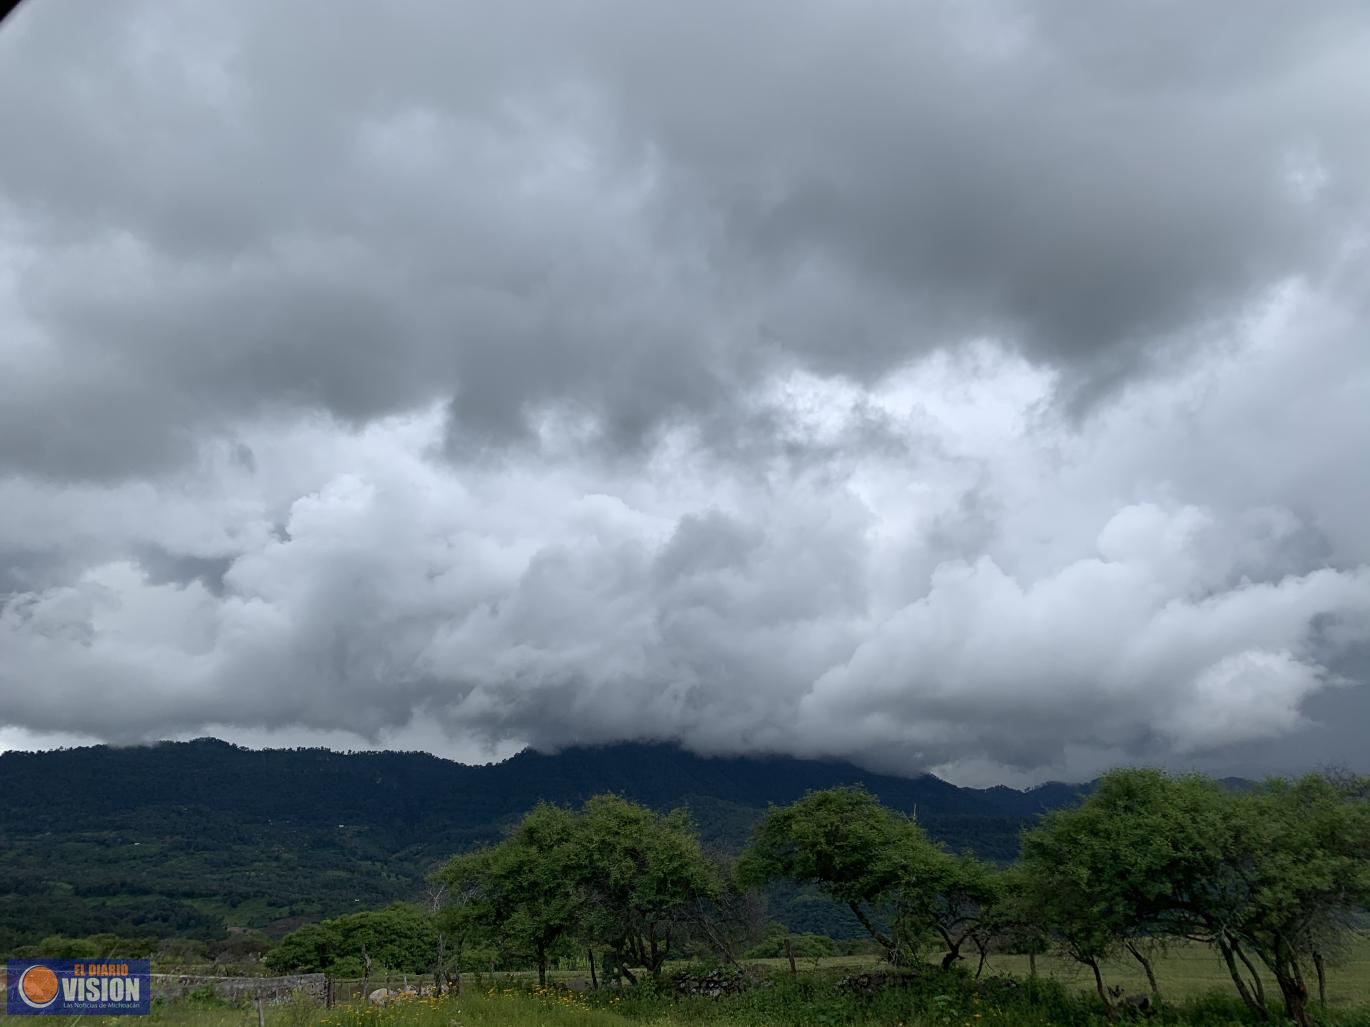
(713,983)
(872,982)
(379,997)
(1139,1005)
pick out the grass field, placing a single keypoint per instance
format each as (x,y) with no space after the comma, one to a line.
(1182,972)
(1190,970)
(1196,987)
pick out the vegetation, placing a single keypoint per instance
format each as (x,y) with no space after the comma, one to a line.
(1273,880)
(1268,886)
(192,838)
(932,999)
(401,939)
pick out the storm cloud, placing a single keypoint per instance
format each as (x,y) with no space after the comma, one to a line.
(979,388)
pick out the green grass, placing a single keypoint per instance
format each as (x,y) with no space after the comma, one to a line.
(809,1001)
(1183,971)
(1186,971)
(1197,990)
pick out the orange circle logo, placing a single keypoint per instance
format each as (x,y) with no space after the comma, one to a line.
(38,986)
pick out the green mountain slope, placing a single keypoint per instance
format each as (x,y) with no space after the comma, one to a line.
(186,838)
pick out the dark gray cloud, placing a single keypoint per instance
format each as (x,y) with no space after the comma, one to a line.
(637,212)
(939,384)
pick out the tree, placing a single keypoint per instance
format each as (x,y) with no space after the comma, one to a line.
(1082,928)
(1015,923)
(1100,876)
(1270,877)
(400,938)
(954,898)
(855,850)
(731,918)
(640,876)
(308,949)
(1283,873)
(522,891)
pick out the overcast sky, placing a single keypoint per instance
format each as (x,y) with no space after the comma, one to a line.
(981,388)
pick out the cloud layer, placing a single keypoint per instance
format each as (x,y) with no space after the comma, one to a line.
(938,386)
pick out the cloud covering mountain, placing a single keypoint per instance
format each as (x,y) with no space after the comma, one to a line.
(979,388)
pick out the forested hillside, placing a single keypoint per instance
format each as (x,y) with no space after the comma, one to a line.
(188,838)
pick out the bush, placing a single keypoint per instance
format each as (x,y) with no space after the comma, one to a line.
(804,946)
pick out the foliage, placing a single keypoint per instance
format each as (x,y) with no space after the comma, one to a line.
(1270,876)
(801,946)
(399,938)
(1096,876)
(842,840)
(640,876)
(933,999)
(191,836)
(900,886)
(615,876)
(521,892)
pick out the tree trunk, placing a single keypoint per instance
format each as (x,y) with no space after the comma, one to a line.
(659,952)
(542,966)
(1257,1007)
(789,954)
(953,949)
(1295,999)
(621,960)
(982,947)
(1292,988)
(717,941)
(594,981)
(1320,965)
(440,967)
(1032,965)
(1150,971)
(1250,966)
(884,942)
(1093,964)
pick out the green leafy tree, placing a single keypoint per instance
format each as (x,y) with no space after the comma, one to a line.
(842,840)
(312,948)
(399,938)
(1280,876)
(727,920)
(640,877)
(1270,877)
(954,897)
(779,942)
(1015,924)
(522,892)
(1100,877)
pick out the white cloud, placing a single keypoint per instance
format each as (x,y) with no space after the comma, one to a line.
(377,592)
(433,381)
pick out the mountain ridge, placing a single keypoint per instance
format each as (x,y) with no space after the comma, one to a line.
(192,837)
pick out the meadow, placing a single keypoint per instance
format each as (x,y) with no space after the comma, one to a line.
(1196,990)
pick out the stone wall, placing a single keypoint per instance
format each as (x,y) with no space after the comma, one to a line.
(274,990)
